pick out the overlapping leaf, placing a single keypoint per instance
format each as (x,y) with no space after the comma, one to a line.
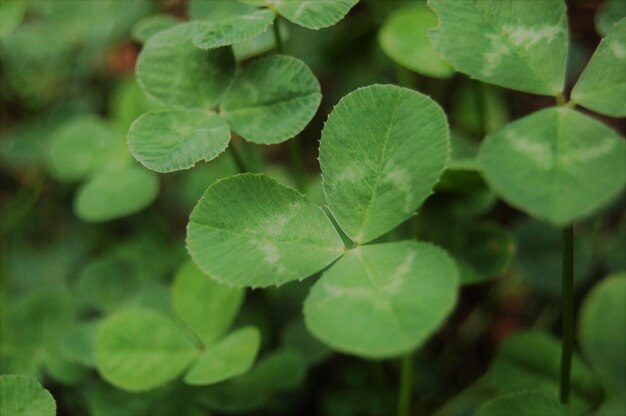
(171,69)
(169,140)
(139,349)
(214,11)
(314,14)
(382,300)
(114,194)
(520,45)
(272,100)
(24,396)
(233,30)
(207,307)
(524,403)
(602,335)
(602,85)
(404,38)
(81,148)
(249,230)
(579,162)
(228,358)
(367,154)
(150,26)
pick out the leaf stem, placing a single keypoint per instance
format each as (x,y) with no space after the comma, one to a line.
(404,394)
(278,41)
(560,99)
(234,152)
(568,311)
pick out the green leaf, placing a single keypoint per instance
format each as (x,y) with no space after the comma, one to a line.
(234,30)
(602,336)
(272,100)
(228,358)
(531,360)
(262,43)
(367,154)
(208,307)
(107,283)
(170,140)
(579,162)
(610,12)
(520,45)
(62,370)
(82,147)
(382,300)
(171,69)
(602,85)
(24,396)
(314,14)
(150,26)
(296,336)
(404,38)
(524,403)
(215,11)
(139,349)
(281,369)
(11,15)
(116,194)
(249,230)
(42,316)
(78,343)
(538,257)
(482,251)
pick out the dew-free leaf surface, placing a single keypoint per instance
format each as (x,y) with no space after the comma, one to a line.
(139,349)
(24,396)
(215,11)
(234,30)
(314,14)
(602,85)
(609,13)
(229,357)
(115,194)
(11,14)
(107,283)
(82,147)
(579,162)
(524,403)
(207,307)
(272,100)
(281,369)
(602,336)
(404,38)
(382,300)
(170,140)
(531,360)
(520,45)
(171,69)
(150,26)
(368,154)
(249,230)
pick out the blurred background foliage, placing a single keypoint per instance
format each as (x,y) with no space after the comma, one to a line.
(80,244)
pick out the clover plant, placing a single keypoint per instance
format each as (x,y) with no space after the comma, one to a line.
(170,247)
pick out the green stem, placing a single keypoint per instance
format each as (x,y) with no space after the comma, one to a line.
(568,311)
(278,41)
(560,99)
(404,395)
(234,152)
